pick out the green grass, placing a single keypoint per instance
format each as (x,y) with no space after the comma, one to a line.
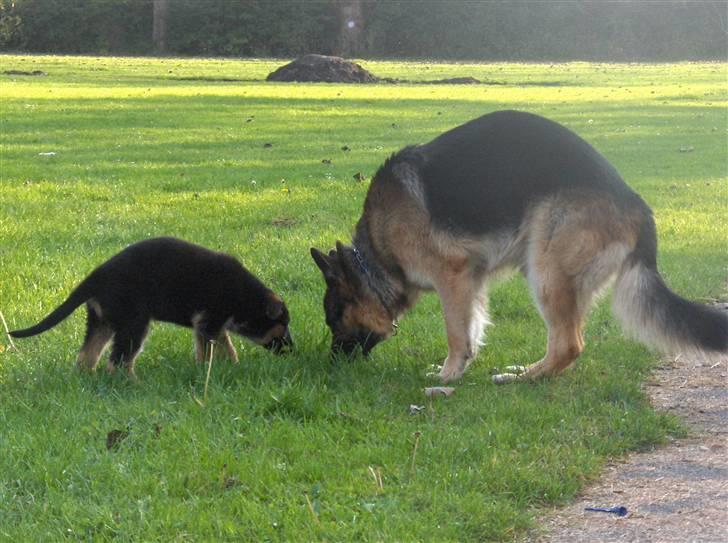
(293,448)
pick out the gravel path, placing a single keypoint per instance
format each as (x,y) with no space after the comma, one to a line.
(674,493)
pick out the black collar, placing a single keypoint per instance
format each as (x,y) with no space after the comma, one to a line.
(360,260)
(362,263)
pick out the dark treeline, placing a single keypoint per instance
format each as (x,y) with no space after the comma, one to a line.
(450,29)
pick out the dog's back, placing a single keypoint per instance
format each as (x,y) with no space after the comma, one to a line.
(169,278)
(483,176)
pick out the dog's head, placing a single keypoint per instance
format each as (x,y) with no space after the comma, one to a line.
(355,315)
(268,325)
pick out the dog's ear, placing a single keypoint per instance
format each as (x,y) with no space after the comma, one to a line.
(346,259)
(274,308)
(326,264)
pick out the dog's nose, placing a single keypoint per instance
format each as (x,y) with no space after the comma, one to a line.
(347,347)
(281,344)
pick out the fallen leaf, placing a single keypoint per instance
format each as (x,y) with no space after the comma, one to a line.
(283,222)
(114,439)
(231,482)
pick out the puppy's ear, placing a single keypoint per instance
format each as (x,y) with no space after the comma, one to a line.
(274,308)
(326,264)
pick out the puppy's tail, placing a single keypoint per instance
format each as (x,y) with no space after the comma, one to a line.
(79,295)
(654,314)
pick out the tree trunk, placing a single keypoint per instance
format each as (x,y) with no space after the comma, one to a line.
(160,11)
(351,28)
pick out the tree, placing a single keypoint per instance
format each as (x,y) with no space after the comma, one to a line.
(351,28)
(160,13)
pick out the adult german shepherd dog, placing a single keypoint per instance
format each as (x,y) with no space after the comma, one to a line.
(509,190)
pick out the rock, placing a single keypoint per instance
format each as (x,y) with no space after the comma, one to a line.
(312,68)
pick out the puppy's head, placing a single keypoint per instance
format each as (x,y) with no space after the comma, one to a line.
(354,314)
(268,326)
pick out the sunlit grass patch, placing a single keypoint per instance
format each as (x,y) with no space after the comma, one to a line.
(300,447)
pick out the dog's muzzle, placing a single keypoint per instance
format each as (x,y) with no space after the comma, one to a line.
(349,345)
(280,345)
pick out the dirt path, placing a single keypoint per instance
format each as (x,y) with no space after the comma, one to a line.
(674,493)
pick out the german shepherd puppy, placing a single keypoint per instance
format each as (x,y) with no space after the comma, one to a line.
(509,190)
(170,280)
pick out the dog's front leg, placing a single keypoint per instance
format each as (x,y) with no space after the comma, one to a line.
(457,295)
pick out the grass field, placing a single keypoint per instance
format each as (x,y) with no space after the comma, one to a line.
(297,448)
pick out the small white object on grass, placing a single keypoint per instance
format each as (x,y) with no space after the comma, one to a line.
(51,153)
(503,378)
(416,409)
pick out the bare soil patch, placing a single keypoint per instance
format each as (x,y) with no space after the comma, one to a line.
(322,68)
(674,493)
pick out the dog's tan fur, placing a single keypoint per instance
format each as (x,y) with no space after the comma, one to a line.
(569,262)
(572,248)
(93,348)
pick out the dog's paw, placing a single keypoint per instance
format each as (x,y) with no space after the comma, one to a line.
(448,375)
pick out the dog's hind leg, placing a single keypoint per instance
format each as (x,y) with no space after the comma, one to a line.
(565,341)
(98,335)
(201,342)
(566,269)
(128,342)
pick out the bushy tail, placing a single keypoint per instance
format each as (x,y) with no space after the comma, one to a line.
(655,315)
(76,298)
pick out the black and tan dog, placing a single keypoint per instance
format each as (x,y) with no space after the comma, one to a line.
(170,280)
(508,190)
